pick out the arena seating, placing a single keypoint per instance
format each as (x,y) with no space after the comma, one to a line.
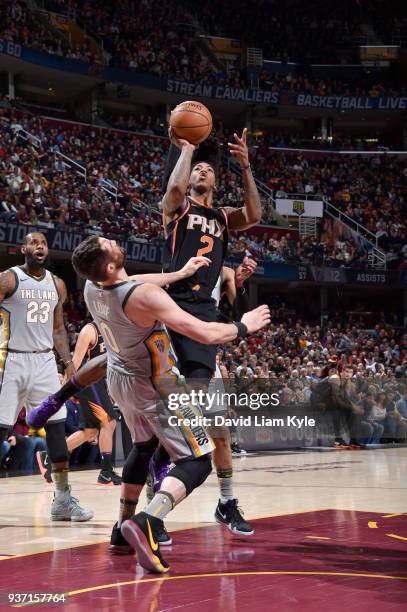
(373,343)
(37,188)
(165,42)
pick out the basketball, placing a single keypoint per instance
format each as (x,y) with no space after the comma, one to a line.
(191,121)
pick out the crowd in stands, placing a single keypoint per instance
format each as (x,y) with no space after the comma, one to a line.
(18,24)
(371,190)
(390,25)
(289,31)
(296,82)
(295,354)
(160,40)
(37,188)
(18,451)
(296,250)
(353,368)
(374,141)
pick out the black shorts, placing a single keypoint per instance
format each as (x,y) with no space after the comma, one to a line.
(96,407)
(187,349)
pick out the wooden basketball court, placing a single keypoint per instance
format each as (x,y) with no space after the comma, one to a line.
(330,531)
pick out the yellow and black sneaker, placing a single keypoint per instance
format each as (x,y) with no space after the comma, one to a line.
(141,532)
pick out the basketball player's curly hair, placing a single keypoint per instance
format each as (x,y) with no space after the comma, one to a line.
(90,260)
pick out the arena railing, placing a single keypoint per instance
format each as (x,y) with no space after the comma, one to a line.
(73,165)
(381,151)
(27,136)
(109,187)
(376,257)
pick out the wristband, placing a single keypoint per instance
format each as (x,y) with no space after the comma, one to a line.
(245,167)
(67,363)
(241,329)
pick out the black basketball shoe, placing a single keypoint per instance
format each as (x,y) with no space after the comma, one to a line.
(44,465)
(237,451)
(118,544)
(109,478)
(163,537)
(141,532)
(230,514)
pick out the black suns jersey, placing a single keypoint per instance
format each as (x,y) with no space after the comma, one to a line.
(98,348)
(197,230)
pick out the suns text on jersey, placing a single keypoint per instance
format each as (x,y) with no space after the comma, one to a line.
(208,226)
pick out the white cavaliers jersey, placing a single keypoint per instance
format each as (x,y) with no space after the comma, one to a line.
(27,316)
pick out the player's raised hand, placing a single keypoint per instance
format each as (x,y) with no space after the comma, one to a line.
(244,271)
(193,265)
(179,142)
(257,318)
(239,149)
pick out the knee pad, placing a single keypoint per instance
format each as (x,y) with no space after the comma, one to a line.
(192,472)
(56,442)
(135,469)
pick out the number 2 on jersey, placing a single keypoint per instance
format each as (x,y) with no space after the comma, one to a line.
(208,240)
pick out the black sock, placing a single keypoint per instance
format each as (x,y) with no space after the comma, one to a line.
(68,390)
(106,463)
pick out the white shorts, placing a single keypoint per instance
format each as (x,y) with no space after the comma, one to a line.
(25,380)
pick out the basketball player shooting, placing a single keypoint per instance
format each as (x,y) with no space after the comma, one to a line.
(131,315)
(195,226)
(31,316)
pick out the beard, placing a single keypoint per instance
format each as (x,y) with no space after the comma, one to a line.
(120,259)
(33,262)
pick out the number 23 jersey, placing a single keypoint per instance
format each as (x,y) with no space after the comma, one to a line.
(27,315)
(197,230)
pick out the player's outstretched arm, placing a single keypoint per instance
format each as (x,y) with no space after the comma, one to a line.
(233,285)
(178,182)
(7,284)
(87,338)
(93,371)
(250,213)
(167,278)
(59,332)
(149,303)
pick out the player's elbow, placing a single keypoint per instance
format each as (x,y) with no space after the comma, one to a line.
(254,217)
